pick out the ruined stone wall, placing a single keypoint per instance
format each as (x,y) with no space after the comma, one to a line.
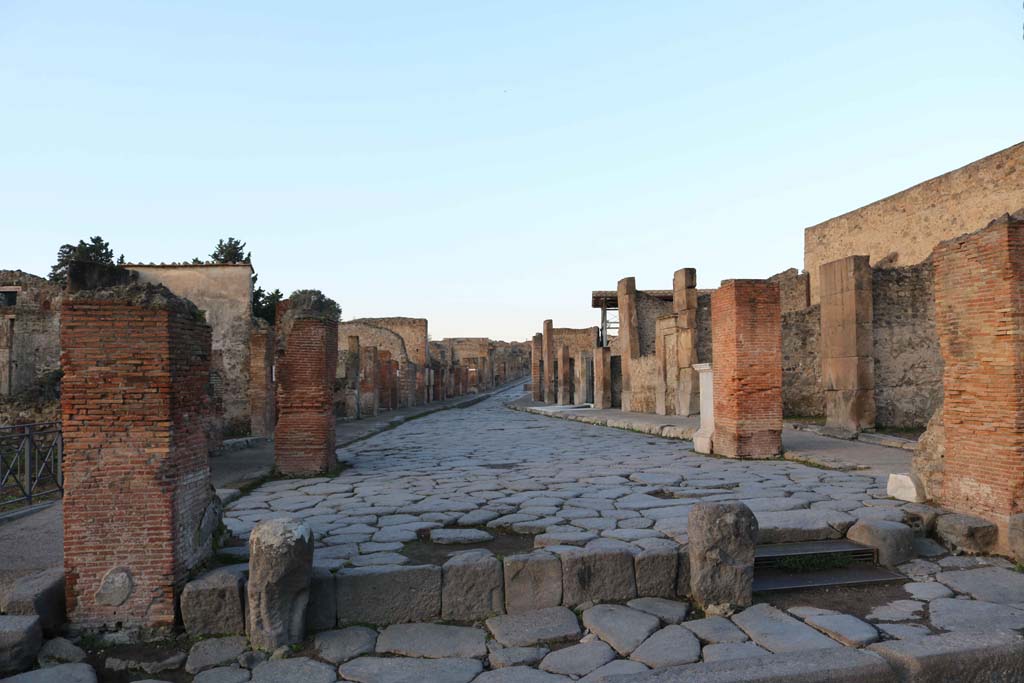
(704,327)
(904,227)
(413,332)
(224,293)
(374,335)
(907,360)
(794,289)
(803,393)
(582,339)
(29,330)
(648,310)
(262,403)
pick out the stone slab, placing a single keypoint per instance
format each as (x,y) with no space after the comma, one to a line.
(671,646)
(433,641)
(778,632)
(950,614)
(791,526)
(619,626)
(520,674)
(345,644)
(991,656)
(845,628)
(578,660)
(721,652)
(714,630)
(62,673)
(389,595)
(547,625)
(408,670)
(992,584)
(669,611)
(294,670)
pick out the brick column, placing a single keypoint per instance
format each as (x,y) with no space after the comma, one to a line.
(847,345)
(549,362)
(602,377)
(261,380)
(537,367)
(564,376)
(136,407)
(629,335)
(747,348)
(304,438)
(979,317)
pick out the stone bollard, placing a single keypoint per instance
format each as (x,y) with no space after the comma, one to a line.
(721,550)
(280,572)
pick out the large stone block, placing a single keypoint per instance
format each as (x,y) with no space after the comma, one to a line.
(21,637)
(842,665)
(280,569)
(597,575)
(322,613)
(966,533)
(723,537)
(894,541)
(391,594)
(472,587)
(214,604)
(41,594)
(656,570)
(532,581)
(957,656)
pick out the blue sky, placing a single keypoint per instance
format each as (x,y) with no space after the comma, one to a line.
(484,164)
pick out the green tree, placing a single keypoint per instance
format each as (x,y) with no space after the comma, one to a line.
(264,304)
(230,251)
(96,250)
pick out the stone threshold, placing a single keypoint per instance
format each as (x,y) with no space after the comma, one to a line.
(874,438)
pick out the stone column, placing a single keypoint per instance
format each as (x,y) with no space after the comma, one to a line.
(564,376)
(668,370)
(629,335)
(369,388)
(979,309)
(549,362)
(602,377)
(261,379)
(537,367)
(304,438)
(847,346)
(583,387)
(702,438)
(684,304)
(747,348)
(136,410)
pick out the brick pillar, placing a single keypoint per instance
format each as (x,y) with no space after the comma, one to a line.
(304,439)
(537,367)
(549,362)
(564,376)
(629,335)
(135,405)
(684,305)
(979,315)
(369,377)
(261,380)
(583,384)
(602,377)
(847,345)
(746,336)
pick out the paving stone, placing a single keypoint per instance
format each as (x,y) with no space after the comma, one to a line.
(721,652)
(212,652)
(966,533)
(579,538)
(802,525)
(671,646)
(669,611)
(596,574)
(950,614)
(21,638)
(532,581)
(223,674)
(294,670)
(459,536)
(919,569)
(778,632)
(956,657)
(894,541)
(578,660)
(839,665)
(62,673)
(345,644)
(716,630)
(845,628)
(409,670)
(620,667)
(904,630)
(379,560)
(389,595)
(516,656)
(520,674)
(619,626)
(927,591)
(548,625)
(477,517)
(897,610)
(991,584)
(40,594)
(926,547)
(434,641)
(472,586)
(60,651)
(804,611)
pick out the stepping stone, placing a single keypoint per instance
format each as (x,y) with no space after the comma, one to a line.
(345,644)
(404,670)
(578,660)
(927,591)
(459,536)
(515,674)
(894,541)
(548,625)
(619,667)
(212,652)
(224,674)
(991,584)
(671,646)
(621,627)
(720,652)
(517,656)
(901,631)
(778,632)
(950,614)
(669,611)
(897,610)
(62,673)
(716,630)
(433,641)
(791,526)
(847,629)
(295,670)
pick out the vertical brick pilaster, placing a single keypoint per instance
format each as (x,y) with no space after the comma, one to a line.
(747,348)
(261,381)
(304,438)
(550,396)
(602,377)
(564,376)
(979,317)
(537,367)
(136,408)
(847,345)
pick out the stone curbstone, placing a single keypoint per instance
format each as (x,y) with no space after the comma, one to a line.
(957,656)
(214,604)
(388,594)
(40,594)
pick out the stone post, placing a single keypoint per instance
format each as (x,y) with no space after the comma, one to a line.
(369,388)
(304,438)
(564,376)
(684,304)
(583,387)
(746,339)
(549,362)
(537,367)
(847,346)
(280,573)
(702,438)
(602,378)
(138,511)
(629,335)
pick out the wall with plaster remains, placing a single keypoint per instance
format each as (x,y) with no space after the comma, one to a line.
(413,332)
(29,330)
(803,393)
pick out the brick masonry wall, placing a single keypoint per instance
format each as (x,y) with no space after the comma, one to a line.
(979,316)
(261,381)
(903,228)
(803,394)
(748,369)
(135,407)
(908,363)
(304,438)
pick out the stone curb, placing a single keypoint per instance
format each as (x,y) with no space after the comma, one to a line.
(666,431)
